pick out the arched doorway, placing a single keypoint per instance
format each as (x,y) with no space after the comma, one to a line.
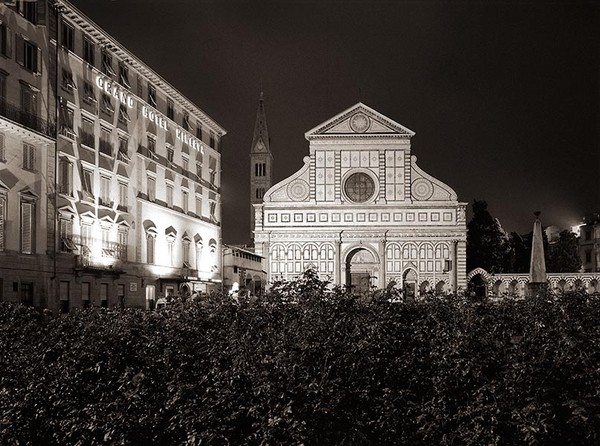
(361,265)
(478,285)
(409,280)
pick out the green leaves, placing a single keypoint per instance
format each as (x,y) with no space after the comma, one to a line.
(323,368)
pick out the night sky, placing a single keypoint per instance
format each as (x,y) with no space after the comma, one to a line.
(504,96)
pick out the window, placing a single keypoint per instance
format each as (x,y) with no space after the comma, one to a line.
(67,80)
(123,196)
(124,75)
(86,236)
(107,63)
(186,253)
(105,191)
(170,154)
(150,249)
(2,148)
(89,95)
(87,133)
(198,204)
(68,36)
(105,143)
(123,143)
(3,214)
(212,168)
(66,235)
(184,199)
(199,169)
(89,50)
(107,106)
(359,187)
(85,294)
(151,144)
(152,95)
(27,54)
(104,295)
(186,122)
(212,140)
(260,169)
(87,183)
(170,109)
(4,41)
(123,115)
(65,177)
(28,157)
(122,244)
(27,226)
(213,210)
(260,192)
(151,188)
(66,121)
(65,291)
(28,10)
(2,85)
(185,164)
(199,132)
(170,195)
(170,250)
(28,103)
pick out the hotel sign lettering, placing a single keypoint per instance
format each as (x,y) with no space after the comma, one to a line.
(113,90)
(107,86)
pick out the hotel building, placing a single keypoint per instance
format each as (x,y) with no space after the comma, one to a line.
(109,177)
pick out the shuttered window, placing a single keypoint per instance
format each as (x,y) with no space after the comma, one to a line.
(28,157)
(3,213)
(65,173)
(27,227)
(2,148)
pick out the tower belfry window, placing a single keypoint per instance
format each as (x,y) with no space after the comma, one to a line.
(260,169)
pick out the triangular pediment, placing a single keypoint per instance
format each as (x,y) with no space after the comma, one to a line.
(359,120)
(260,146)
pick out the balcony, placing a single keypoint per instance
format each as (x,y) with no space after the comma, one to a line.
(102,257)
(29,120)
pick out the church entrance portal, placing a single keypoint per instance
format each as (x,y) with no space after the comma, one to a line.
(360,268)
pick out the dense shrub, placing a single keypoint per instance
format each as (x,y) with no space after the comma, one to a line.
(302,366)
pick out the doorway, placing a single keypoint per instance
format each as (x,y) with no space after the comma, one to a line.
(361,265)
(409,280)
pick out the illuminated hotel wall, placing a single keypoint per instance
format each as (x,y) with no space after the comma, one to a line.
(138,176)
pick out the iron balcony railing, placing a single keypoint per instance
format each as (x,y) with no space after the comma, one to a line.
(89,256)
(29,120)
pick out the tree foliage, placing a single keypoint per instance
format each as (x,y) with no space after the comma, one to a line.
(563,255)
(318,369)
(488,246)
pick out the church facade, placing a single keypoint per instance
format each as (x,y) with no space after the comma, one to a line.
(361,212)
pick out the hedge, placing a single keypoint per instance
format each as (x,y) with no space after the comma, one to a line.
(305,366)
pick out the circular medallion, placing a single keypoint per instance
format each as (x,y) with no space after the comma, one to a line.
(297,190)
(422,189)
(360,123)
(359,187)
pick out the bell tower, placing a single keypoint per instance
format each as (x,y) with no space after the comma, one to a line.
(261,162)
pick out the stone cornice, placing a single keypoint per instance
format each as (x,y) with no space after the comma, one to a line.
(105,40)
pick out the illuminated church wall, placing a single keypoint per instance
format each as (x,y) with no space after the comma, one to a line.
(362,212)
